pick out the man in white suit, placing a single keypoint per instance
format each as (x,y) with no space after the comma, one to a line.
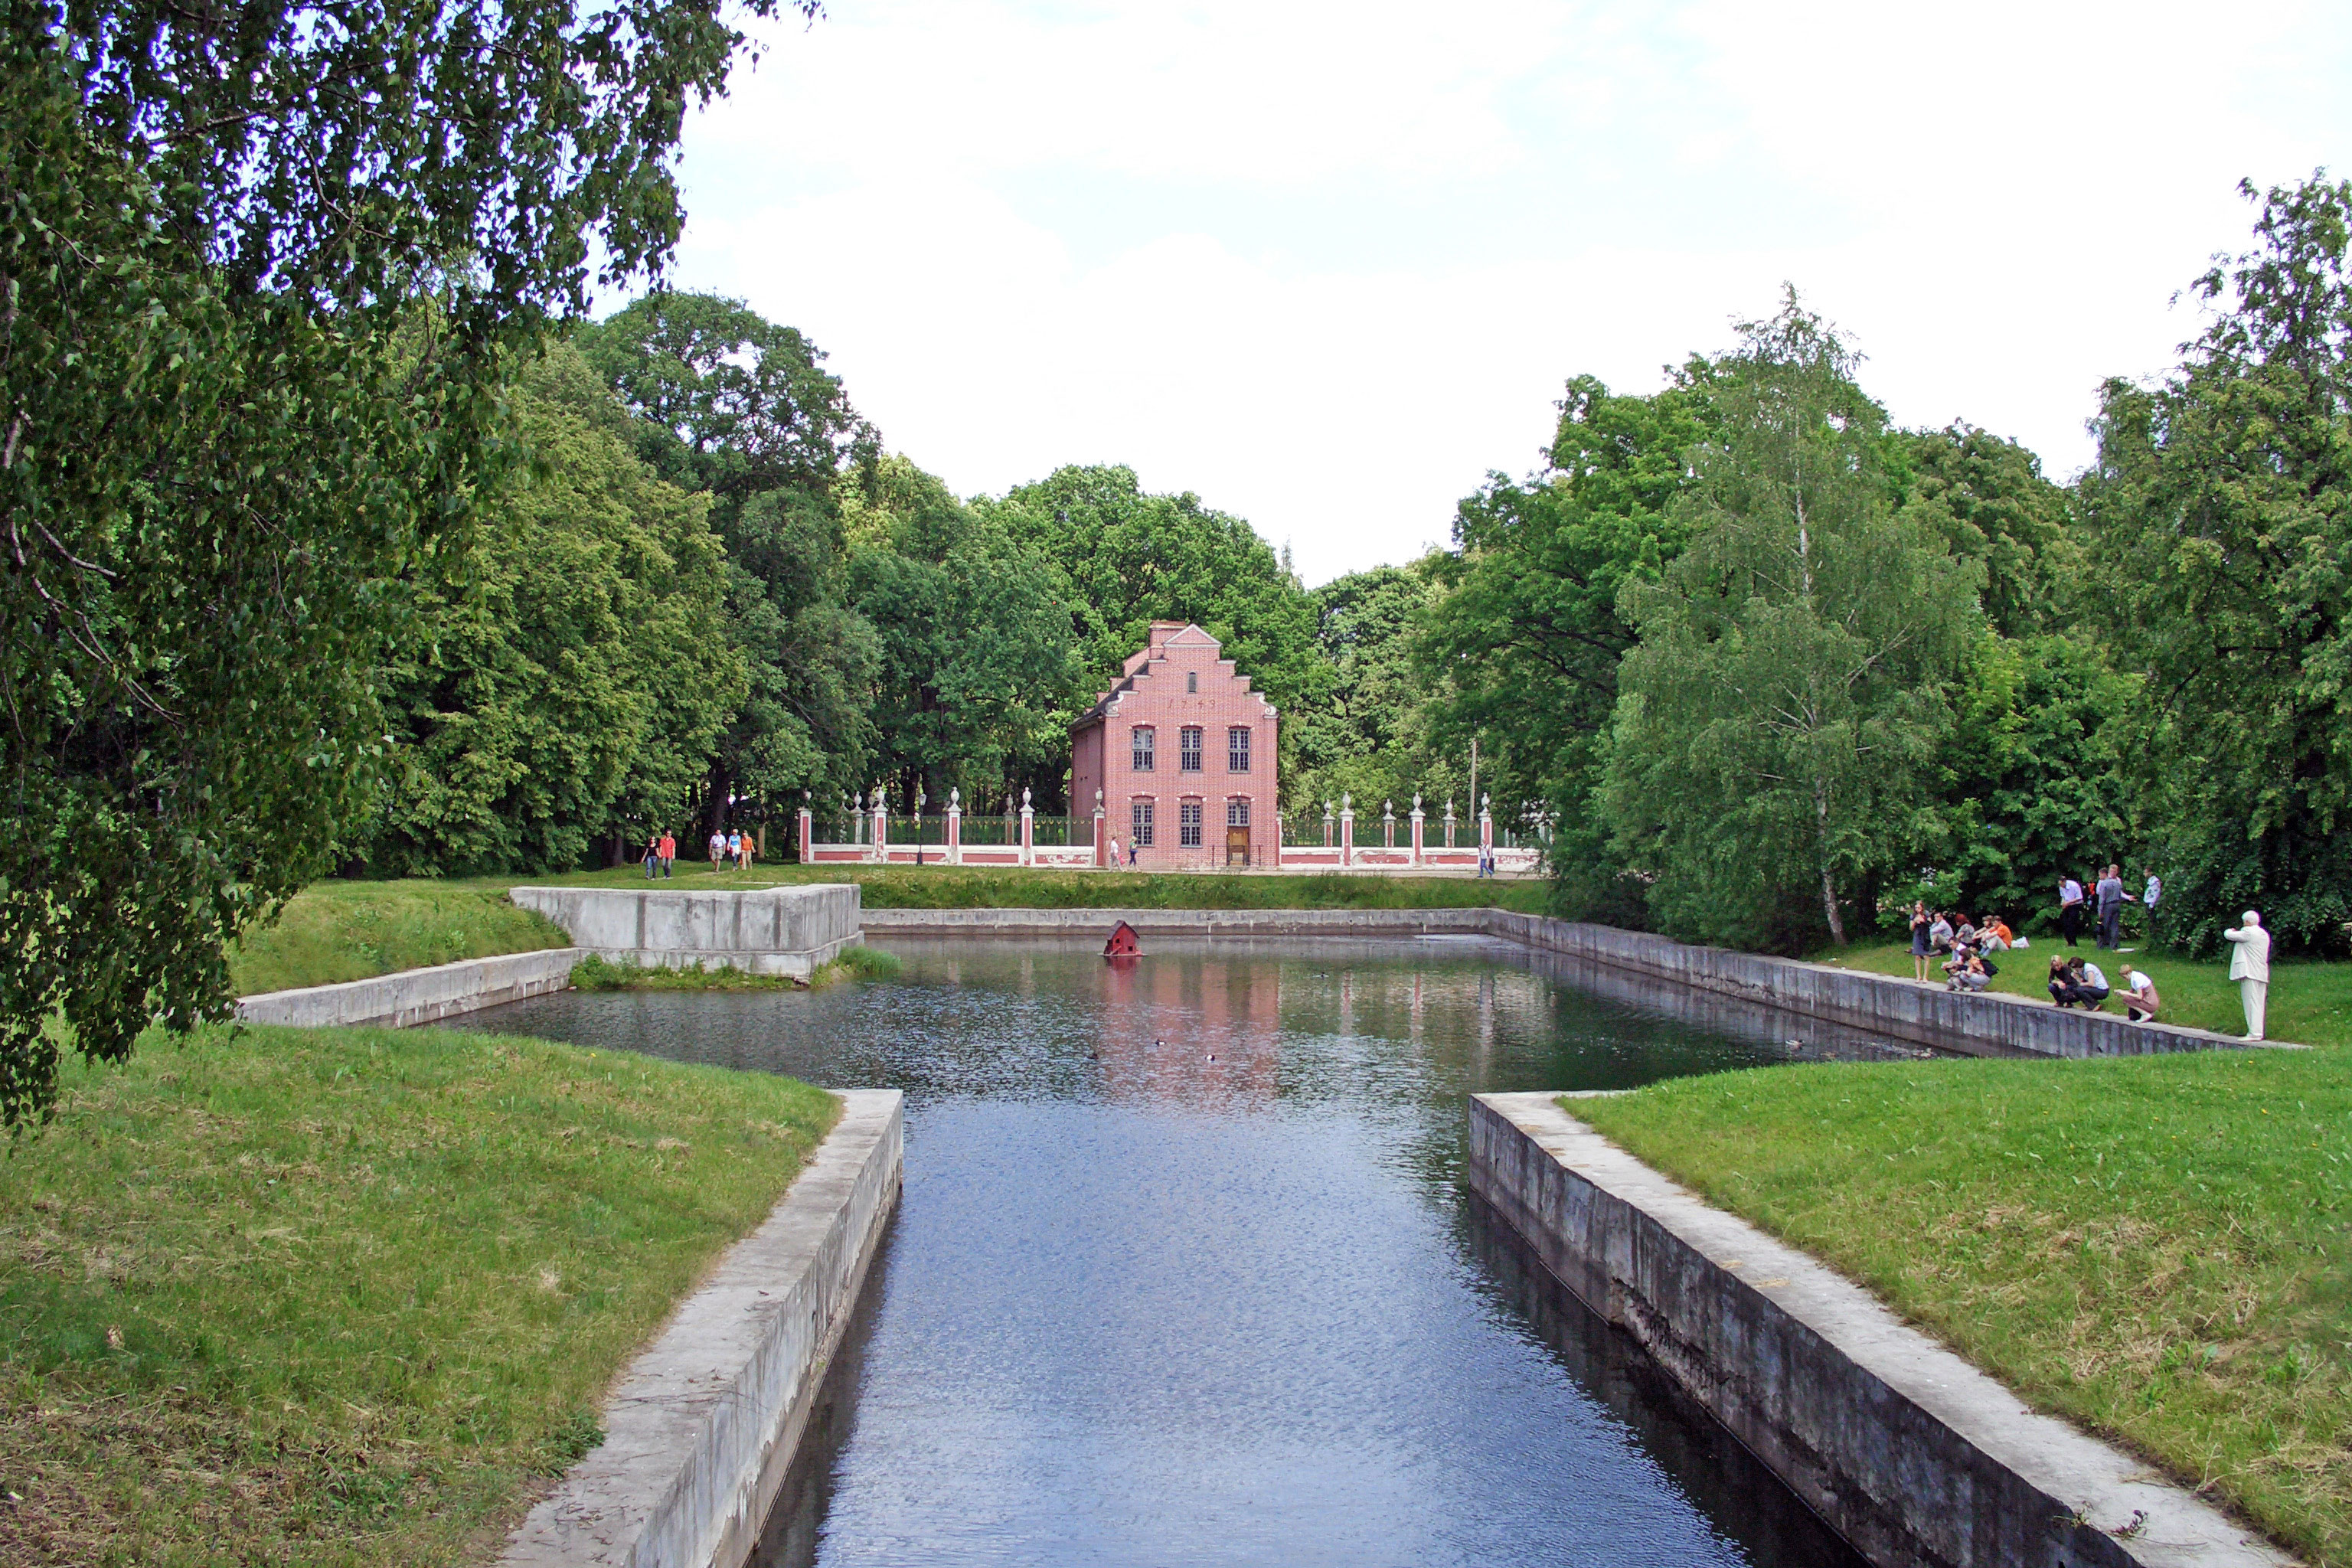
(2250,966)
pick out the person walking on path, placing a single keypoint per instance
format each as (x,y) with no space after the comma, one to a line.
(1919,950)
(735,847)
(668,853)
(1117,862)
(653,854)
(718,849)
(2112,898)
(2250,966)
(2069,909)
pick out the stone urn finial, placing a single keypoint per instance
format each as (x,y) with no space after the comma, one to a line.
(1416,800)
(1347,800)
(1388,810)
(955,797)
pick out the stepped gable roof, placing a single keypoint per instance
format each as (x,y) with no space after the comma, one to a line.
(1139,666)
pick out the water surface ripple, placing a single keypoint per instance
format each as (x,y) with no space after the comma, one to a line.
(1185,1272)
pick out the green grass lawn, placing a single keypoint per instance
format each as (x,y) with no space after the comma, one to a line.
(341,1296)
(336,930)
(2310,1003)
(2157,1246)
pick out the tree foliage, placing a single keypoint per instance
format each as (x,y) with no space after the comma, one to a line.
(265,269)
(980,665)
(2223,504)
(1777,716)
(573,682)
(1522,652)
(1370,738)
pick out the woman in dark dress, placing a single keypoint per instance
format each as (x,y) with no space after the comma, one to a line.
(1920,920)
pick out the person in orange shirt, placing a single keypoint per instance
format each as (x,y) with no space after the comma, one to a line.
(668,853)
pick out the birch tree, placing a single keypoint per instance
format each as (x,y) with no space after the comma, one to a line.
(1778,717)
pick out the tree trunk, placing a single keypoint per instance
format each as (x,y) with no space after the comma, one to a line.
(718,788)
(1829,884)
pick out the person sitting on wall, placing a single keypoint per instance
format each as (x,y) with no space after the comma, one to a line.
(1939,935)
(1975,975)
(2141,1001)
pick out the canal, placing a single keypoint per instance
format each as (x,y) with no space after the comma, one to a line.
(1185,1271)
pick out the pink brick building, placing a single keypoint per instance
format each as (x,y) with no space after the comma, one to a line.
(1184,753)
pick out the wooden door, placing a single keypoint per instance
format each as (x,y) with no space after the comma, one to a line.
(1237,846)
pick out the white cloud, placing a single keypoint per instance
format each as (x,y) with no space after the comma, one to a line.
(1328,266)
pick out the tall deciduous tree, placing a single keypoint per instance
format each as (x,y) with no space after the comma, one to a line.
(2223,502)
(1521,653)
(578,671)
(741,408)
(229,424)
(979,662)
(1776,721)
(1371,738)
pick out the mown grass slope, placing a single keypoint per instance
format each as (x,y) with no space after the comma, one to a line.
(345,1297)
(2158,1247)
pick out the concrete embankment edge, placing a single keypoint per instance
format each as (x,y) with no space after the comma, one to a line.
(1885,1006)
(418,995)
(701,1431)
(1914,1456)
(761,930)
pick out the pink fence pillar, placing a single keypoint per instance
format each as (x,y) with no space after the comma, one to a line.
(808,830)
(1347,832)
(955,826)
(1417,818)
(1028,831)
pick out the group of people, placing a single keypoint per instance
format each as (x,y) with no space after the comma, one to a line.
(1963,944)
(2077,981)
(2105,902)
(660,857)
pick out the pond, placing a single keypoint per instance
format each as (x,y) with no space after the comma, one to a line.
(1185,1270)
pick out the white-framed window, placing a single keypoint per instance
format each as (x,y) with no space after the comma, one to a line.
(1237,749)
(1138,815)
(1188,824)
(1142,750)
(1188,748)
(1237,813)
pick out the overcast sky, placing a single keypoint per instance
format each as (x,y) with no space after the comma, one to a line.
(1329,265)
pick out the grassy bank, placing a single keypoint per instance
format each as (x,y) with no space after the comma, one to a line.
(341,1296)
(2310,1004)
(333,932)
(2155,1247)
(336,930)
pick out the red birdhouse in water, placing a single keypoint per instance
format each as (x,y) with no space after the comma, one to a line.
(1123,943)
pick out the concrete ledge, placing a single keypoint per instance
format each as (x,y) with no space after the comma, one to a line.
(762,931)
(701,1431)
(418,995)
(1913,1455)
(1988,1024)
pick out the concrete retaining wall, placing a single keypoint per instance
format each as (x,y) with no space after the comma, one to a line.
(1880,1004)
(1917,1458)
(767,931)
(418,995)
(1985,1024)
(701,1431)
